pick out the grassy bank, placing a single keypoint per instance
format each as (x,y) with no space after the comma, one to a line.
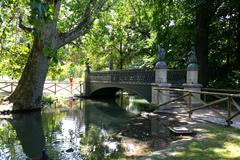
(213,142)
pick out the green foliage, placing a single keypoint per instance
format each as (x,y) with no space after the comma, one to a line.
(70,61)
(230,81)
(130,32)
(116,37)
(92,146)
(139,25)
(14,44)
(7,137)
(51,123)
(126,34)
(51,53)
(47,99)
(13,61)
(40,11)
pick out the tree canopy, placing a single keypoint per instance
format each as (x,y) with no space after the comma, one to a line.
(124,34)
(130,31)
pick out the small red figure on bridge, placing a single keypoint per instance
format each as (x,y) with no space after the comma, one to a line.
(71,82)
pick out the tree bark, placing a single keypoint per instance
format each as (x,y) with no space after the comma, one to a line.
(202,32)
(121,55)
(28,93)
(238,41)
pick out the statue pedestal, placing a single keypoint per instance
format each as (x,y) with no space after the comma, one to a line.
(196,98)
(160,97)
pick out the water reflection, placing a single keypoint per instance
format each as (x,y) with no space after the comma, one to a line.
(65,129)
(29,132)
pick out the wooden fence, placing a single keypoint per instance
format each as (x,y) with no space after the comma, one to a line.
(56,88)
(231,100)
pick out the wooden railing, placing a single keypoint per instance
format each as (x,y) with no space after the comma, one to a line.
(49,87)
(63,87)
(231,99)
(7,87)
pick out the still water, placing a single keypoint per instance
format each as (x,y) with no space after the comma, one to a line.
(70,129)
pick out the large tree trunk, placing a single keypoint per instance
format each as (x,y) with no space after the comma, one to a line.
(202,20)
(28,93)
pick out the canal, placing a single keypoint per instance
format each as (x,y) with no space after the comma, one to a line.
(69,129)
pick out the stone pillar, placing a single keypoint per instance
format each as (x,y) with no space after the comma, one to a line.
(160,97)
(192,78)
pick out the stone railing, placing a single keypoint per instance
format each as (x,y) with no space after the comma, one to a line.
(175,77)
(138,76)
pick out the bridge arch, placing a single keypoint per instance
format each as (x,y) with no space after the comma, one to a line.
(109,90)
(140,82)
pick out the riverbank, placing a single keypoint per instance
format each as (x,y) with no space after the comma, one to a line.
(148,137)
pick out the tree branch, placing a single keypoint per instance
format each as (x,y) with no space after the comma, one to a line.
(26,29)
(83,25)
(109,6)
(57,5)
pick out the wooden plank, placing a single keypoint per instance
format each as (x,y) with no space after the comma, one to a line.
(234,115)
(76,86)
(229,109)
(49,90)
(221,90)
(174,100)
(200,92)
(210,104)
(49,86)
(63,88)
(4,90)
(217,96)
(217,112)
(235,104)
(5,86)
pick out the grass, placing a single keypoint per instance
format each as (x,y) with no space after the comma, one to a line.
(216,143)
(47,99)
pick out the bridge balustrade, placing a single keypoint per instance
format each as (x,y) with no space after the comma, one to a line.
(139,76)
(175,77)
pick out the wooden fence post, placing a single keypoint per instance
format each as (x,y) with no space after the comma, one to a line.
(190,104)
(55,88)
(205,98)
(80,88)
(158,95)
(229,110)
(11,87)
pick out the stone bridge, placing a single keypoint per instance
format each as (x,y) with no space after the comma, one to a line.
(138,81)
